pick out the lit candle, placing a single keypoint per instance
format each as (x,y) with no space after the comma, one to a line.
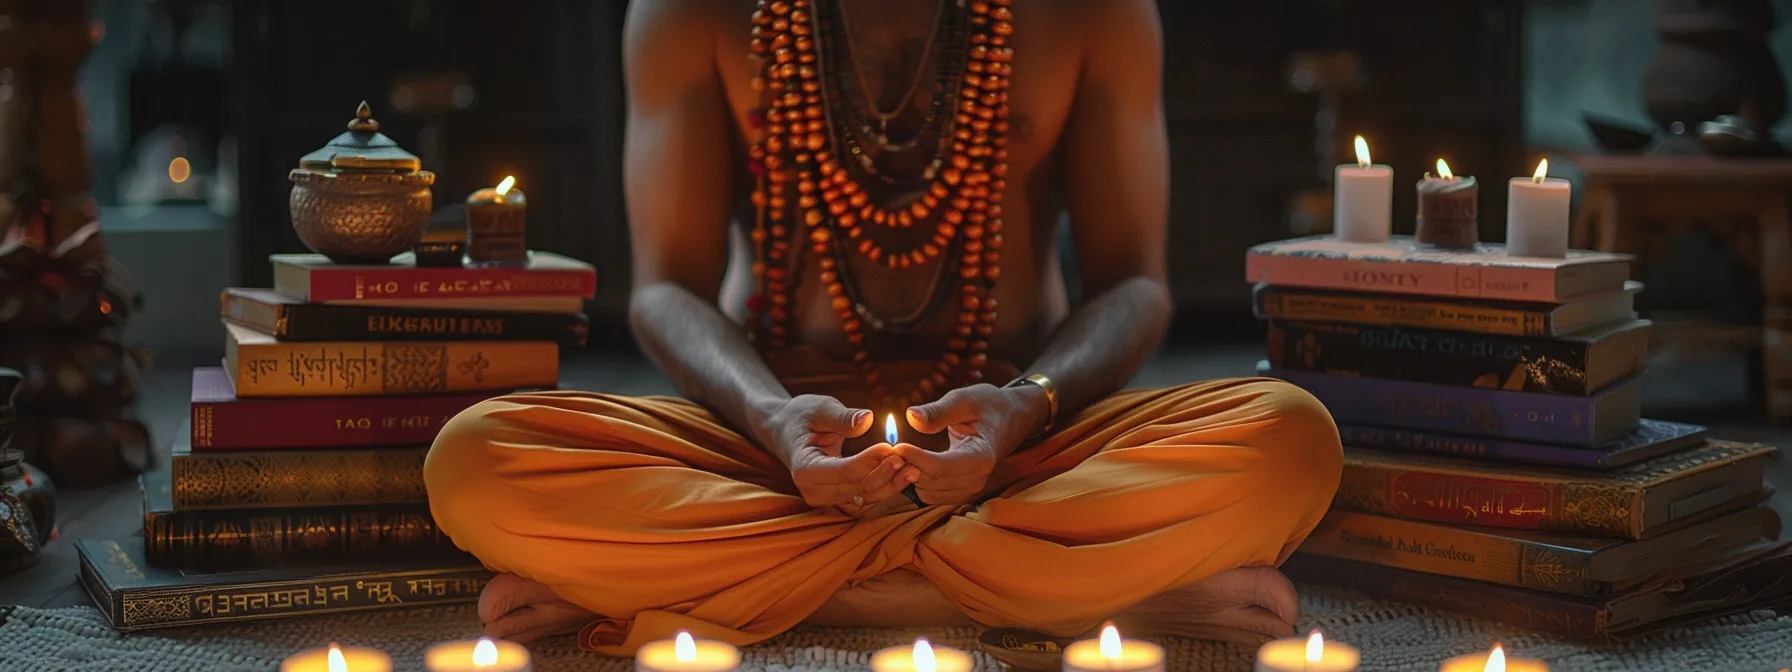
(495,226)
(482,655)
(1537,215)
(337,659)
(1111,653)
(1493,661)
(1448,209)
(687,654)
(1312,654)
(1362,204)
(922,657)
(890,429)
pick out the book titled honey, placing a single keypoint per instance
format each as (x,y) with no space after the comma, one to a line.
(260,366)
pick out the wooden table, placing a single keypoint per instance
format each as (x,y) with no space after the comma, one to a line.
(1637,204)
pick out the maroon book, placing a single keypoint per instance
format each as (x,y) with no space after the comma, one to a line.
(223,422)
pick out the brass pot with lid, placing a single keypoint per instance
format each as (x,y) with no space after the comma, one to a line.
(361,198)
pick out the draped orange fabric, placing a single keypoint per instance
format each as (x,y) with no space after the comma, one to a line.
(651,512)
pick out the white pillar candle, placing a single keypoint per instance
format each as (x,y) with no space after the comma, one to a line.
(1311,654)
(1110,653)
(482,655)
(1537,215)
(922,657)
(1492,661)
(337,659)
(1362,199)
(685,653)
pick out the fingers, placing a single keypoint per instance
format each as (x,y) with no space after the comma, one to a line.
(957,461)
(884,482)
(1262,587)
(933,418)
(830,415)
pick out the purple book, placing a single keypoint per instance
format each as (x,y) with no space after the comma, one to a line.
(1475,412)
(1652,438)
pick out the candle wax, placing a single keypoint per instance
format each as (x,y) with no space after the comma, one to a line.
(318,660)
(711,656)
(1362,203)
(1135,656)
(1290,655)
(458,657)
(902,659)
(1449,212)
(496,228)
(1537,217)
(1477,662)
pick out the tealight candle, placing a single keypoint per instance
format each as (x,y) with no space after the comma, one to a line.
(1537,215)
(482,655)
(1110,653)
(687,654)
(1363,197)
(1492,661)
(1449,209)
(495,226)
(1313,654)
(922,657)
(337,659)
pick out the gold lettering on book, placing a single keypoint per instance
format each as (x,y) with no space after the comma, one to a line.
(379,591)
(354,423)
(467,326)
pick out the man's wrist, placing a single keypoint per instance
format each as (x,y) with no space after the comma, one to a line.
(1037,400)
(760,410)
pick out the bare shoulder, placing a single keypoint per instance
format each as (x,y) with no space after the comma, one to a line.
(685,23)
(1114,23)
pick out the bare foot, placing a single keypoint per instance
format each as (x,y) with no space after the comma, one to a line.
(1249,606)
(520,610)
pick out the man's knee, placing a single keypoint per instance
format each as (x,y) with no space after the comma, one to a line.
(1300,442)
(458,472)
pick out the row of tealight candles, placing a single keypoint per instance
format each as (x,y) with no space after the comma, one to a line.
(1109,652)
(1536,207)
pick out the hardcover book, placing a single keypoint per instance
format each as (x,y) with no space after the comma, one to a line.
(287,319)
(1576,365)
(1504,318)
(221,421)
(273,479)
(1548,561)
(1651,439)
(567,305)
(313,277)
(260,366)
(1466,411)
(136,595)
(1636,502)
(1403,266)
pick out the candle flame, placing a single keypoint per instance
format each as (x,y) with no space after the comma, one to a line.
(1443,170)
(684,648)
(1315,647)
(336,662)
(179,169)
(923,656)
(1496,661)
(1110,642)
(1542,170)
(504,187)
(1362,152)
(485,653)
(890,429)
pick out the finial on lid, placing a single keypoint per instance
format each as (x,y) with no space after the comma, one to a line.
(364,120)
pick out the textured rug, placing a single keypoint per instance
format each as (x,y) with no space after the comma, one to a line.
(1391,636)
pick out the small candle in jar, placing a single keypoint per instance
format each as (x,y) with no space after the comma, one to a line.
(1362,200)
(1537,215)
(922,657)
(1449,207)
(495,226)
(685,653)
(1492,661)
(1312,654)
(337,659)
(482,655)
(1110,653)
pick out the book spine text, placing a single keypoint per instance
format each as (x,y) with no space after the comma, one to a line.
(295,478)
(1464,553)
(292,369)
(324,422)
(246,538)
(1589,507)
(1493,449)
(1475,281)
(440,283)
(1276,304)
(1548,366)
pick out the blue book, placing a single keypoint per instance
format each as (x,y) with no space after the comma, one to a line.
(1476,412)
(1652,438)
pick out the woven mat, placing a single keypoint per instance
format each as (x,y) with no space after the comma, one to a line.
(1391,636)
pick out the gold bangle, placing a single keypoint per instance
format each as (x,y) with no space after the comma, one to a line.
(1051,398)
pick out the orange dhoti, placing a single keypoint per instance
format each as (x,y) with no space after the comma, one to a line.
(654,514)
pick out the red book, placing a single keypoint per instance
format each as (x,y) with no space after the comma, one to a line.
(223,422)
(314,278)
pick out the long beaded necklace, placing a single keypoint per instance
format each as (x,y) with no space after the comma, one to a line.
(801,146)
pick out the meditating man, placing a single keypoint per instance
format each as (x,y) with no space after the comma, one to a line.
(846,210)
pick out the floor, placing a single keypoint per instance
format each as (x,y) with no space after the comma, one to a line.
(1710,390)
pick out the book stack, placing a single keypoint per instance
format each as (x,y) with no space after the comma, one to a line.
(296,486)
(1495,455)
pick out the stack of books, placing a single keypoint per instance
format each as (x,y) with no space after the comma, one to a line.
(1495,457)
(296,487)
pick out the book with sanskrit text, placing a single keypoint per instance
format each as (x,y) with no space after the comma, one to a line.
(260,366)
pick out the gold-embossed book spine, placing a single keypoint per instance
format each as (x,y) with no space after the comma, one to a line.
(1452,551)
(297,478)
(244,538)
(260,366)
(1490,498)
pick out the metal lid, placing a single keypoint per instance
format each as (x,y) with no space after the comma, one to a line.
(362,148)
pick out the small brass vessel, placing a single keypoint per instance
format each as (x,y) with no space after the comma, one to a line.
(360,199)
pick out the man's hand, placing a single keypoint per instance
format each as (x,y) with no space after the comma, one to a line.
(984,423)
(809,432)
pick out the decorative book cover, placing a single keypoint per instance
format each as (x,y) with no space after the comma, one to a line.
(273,479)
(1467,411)
(1636,502)
(1651,439)
(1576,365)
(312,277)
(260,366)
(135,595)
(1503,318)
(250,538)
(1548,561)
(221,421)
(287,319)
(1402,266)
